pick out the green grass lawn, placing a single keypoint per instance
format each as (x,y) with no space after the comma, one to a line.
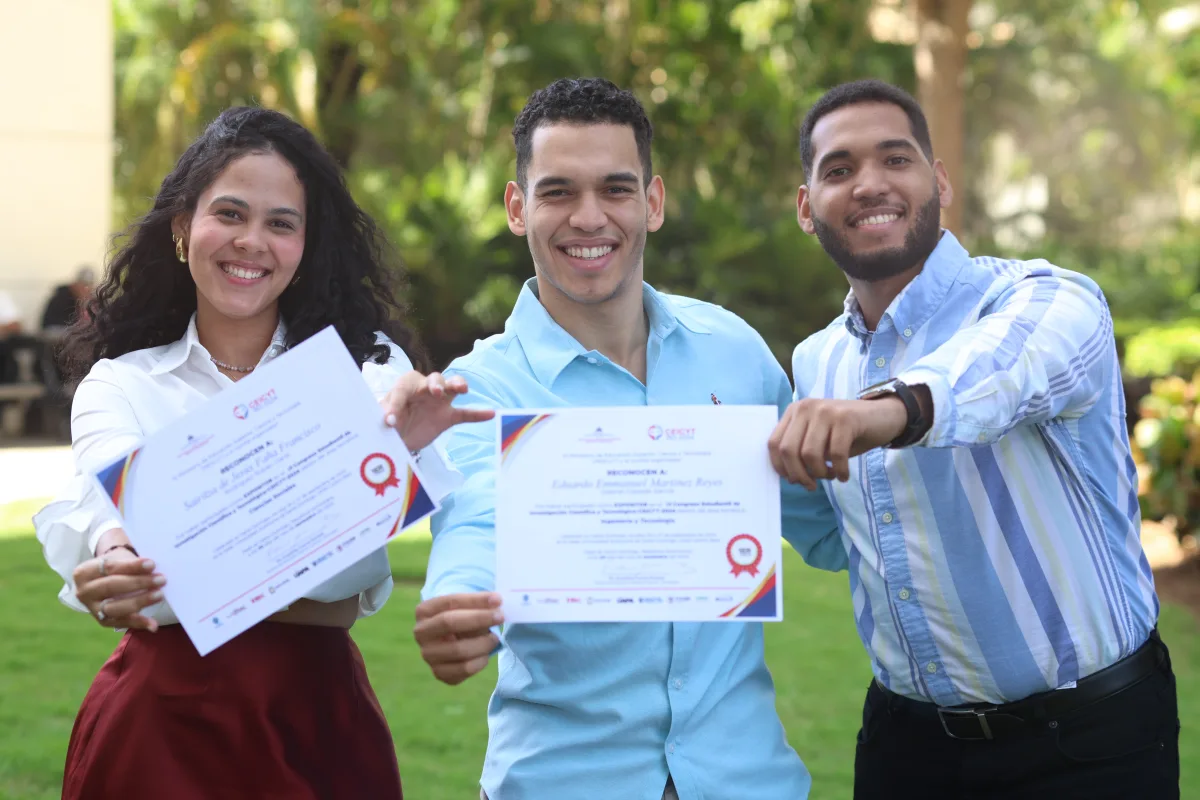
(819,666)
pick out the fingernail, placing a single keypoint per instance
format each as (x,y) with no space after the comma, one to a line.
(153,626)
(498,616)
(156,596)
(159,580)
(390,420)
(148,564)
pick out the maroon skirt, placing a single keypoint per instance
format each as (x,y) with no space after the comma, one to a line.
(281,711)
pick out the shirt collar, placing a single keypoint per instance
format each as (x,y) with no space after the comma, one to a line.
(550,348)
(917,301)
(178,352)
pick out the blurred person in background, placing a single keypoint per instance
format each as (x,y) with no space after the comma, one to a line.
(253,244)
(68,301)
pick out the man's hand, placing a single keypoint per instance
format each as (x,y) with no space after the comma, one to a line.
(815,434)
(454,636)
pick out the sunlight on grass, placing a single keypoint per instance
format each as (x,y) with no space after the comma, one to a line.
(817,662)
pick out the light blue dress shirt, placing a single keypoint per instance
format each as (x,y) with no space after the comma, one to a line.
(590,710)
(1001,556)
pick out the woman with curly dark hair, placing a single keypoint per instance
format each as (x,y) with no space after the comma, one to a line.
(252,245)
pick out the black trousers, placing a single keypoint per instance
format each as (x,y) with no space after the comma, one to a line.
(1122,747)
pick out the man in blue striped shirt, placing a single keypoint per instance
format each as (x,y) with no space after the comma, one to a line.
(996,569)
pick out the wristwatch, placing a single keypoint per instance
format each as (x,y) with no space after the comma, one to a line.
(916,425)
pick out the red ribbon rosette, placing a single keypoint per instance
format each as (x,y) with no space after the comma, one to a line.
(744,553)
(379,472)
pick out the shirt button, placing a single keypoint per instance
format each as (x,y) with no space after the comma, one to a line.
(879,362)
(671,748)
(905,594)
(982,437)
(678,683)
(592,360)
(931,667)
(887,517)
(908,331)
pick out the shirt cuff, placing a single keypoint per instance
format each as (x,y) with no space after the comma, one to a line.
(943,430)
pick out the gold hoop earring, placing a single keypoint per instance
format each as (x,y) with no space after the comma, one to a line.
(179,249)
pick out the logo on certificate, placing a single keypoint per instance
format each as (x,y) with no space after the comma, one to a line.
(744,553)
(655,432)
(379,472)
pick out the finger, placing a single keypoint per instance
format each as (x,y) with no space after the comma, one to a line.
(117,585)
(456,385)
(133,622)
(128,606)
(455,651)
(461,623)
(455,674)
(775,441)
(92,569)
(447,602)
(816,447)
(789,450)
(473,415)
(436,384)
(840,442)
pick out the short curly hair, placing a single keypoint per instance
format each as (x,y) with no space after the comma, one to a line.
(867,90)
(582,101)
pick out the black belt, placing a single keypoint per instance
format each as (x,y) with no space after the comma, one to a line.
(980,722)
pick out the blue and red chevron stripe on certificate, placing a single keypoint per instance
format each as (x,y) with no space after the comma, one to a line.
(760,602)
(516,429)
(417,504)
(115,478)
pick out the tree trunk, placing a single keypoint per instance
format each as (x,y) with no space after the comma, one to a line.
(941,62)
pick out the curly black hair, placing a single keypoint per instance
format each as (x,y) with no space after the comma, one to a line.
(348,276)
(867,90)
(582,101)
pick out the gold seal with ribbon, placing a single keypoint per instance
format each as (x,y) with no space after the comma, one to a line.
(744,553)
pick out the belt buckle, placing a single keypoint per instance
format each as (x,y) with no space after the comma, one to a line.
(979,714)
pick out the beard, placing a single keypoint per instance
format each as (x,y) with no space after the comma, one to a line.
(878,265)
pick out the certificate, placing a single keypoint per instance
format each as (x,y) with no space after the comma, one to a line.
(645,513)
(274,486)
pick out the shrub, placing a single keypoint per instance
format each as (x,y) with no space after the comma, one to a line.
(1166,446)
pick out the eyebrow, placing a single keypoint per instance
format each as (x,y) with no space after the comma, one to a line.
(886,144)
(555,180)
(237,201)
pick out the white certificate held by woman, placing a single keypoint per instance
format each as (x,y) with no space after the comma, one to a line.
(655,513)
(276,485)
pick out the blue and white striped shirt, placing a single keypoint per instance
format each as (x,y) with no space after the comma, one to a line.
(1001,556)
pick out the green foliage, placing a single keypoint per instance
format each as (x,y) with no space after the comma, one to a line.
(1166,443)
(1164,350)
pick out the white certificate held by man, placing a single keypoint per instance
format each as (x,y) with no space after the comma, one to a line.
(644,513)
(270,489)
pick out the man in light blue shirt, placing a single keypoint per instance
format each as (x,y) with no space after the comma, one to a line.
(998,577)
(632,711)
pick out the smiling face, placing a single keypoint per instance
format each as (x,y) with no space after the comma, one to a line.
(585,212)
(873,198)
(246,238)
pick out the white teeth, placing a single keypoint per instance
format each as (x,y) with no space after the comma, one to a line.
(589,252)
(878,219)
(245,274)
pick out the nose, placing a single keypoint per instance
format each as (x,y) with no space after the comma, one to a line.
(588,214)
(872,182)
(251,238)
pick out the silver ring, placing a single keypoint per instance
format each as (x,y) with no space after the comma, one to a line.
(100,615)
(103,567)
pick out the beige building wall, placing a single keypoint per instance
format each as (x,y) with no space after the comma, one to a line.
(56,123)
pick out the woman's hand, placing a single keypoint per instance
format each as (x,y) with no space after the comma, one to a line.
(419,408)
(116,586)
